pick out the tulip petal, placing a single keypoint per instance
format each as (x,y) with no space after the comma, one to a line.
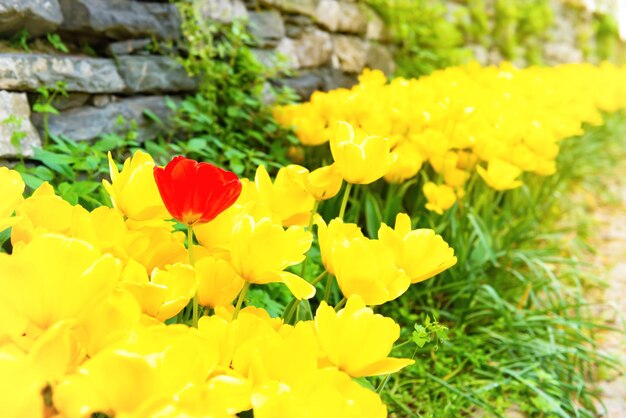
(300,288)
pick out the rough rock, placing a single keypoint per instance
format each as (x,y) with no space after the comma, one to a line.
(339,16)
(480,53)
(304,7)
(154,74)
(349,53)
(303,84)
(266,27)
(104,120)
(27,72)
(128,47)
(120,19)
(375,30)
(312,49)
(16,105)
(36,16)
(380,58)
(558,53)
(101,100)
(224,11)
(296,25)
(334,79)
(61,102)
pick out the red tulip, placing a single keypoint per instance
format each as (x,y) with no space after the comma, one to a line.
(196,192)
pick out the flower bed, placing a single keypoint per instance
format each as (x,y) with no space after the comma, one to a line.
(124,312)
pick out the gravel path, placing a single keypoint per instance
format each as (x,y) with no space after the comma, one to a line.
(610,243)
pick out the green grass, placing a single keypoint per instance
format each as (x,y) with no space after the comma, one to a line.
(521,331)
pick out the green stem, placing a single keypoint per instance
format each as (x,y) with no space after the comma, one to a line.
(329,283)
(290,310)
(344,201)
(382,384)
(242,296)
(311,219)
(319,278)
(194,320)
(340,304)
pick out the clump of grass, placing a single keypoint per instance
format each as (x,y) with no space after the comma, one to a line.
(521,331)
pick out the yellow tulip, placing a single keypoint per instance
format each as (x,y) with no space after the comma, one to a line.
(158,246)
(333,237)
(359,158)
(322,184)
(500,175)
(420,252)
(44,212)
(218,283)
(69,279)
(367,268)
(165,293)
(12,187)
(110,321)
(148,367)
(286,198)
(408,163)
(134,191)
(440,197)
(323,393)
(262,250)
(342,336)
(20,395)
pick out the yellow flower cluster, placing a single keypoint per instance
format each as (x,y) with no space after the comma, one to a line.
(497,121)
(84,297)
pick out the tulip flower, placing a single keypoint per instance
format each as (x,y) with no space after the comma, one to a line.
(165,293)
(287,200)
(420,252)
(44,212)
(12,187)
(262,250)
(68,280)
(196,192)
(322,184)
(500,174)
(341,334)
(133,190)
(360,159)
(367,268)
(440,197)
(218,282)
(408,163)
(333,237)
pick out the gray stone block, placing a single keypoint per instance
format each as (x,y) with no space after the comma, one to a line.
(154,75)
(266,27)
(14,106)
(224,11)
(27,72)
(304,7)
(379,57)
(339,16)
(349,53)
(304,84)
(36,16)
(312,49)
(89,123)
(120,19)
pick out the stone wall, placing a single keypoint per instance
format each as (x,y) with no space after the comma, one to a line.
(121,57)
(120,60)
(325,42)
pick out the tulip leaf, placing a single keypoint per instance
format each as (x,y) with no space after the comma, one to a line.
(303,311)
(373,214)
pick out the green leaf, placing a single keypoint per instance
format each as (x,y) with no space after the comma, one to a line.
(373,214)
(45,108)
